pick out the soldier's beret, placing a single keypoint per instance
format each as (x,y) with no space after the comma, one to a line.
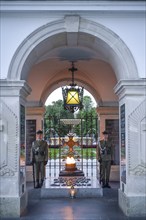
(104,132)
(39,132)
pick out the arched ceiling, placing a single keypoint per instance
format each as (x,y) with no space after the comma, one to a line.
(50,60)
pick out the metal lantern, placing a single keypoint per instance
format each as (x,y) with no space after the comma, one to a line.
(73,94)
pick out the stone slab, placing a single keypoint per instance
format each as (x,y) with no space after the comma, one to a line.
(47,193)
(84,187)
(13,206)
(132,206)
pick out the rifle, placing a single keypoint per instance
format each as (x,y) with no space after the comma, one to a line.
(33,173)
(100,165)
(100,177)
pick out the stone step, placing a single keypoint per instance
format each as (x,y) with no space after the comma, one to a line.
(61,187)
(47,193)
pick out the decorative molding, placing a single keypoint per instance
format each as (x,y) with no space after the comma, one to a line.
(108,104)
(121,58)
(32,104)
(136,87)
(7,172)
(35,111)
(139,170)
(74,5)
(10,161)
(13,88)
(107,110)
(135,165)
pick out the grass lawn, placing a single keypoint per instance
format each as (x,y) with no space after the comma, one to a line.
(87,152)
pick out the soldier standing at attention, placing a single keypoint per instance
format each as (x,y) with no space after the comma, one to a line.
(39,153)
(105,158)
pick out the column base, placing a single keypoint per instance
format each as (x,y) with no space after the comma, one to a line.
(13,207)
(133,206)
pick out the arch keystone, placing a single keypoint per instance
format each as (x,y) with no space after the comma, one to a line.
(72,23)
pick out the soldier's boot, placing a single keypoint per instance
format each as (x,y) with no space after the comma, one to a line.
(37,184)
(103,184)
(107,184)
(42,182)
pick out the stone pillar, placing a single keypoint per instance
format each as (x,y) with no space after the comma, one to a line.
(132,110)
(13,197)
(106,112)
(36,113)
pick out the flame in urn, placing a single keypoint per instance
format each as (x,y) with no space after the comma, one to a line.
(70,160)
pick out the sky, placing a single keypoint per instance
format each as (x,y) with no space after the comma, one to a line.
(57,94)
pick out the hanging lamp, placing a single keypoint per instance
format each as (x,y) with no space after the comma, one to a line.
(73,94)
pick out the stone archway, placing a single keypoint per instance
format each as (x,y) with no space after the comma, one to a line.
(128,85)
(121,58)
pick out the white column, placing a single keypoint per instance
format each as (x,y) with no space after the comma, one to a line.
(132,111)
(13,199)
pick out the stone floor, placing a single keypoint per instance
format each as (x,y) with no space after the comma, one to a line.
(101,208)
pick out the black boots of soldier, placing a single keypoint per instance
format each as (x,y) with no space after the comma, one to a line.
(39,185)
(105,184)
(42,183)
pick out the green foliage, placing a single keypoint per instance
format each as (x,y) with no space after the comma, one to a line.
(89,119)
(56,111)
(52,124)
(88,104)
(87,153)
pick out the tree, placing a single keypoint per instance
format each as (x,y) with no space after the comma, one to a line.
(52,118)
(88,117)
(87,102)
(56,111)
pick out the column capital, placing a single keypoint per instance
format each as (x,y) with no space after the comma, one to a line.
(130,88)
(110,110)
(13,88)
(33,111)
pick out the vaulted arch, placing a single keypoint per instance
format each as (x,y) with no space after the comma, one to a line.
(90,34)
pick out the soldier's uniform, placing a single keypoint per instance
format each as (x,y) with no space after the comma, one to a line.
(39,158)
(105,156)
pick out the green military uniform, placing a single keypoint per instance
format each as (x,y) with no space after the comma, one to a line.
(39,159)
(105,156)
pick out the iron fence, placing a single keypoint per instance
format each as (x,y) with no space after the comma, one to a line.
(85,132)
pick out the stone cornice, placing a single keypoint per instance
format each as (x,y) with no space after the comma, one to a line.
(117,6)
(32,104)
(11,88)
(111,110)
(35,111)
(130,88)
(108,104)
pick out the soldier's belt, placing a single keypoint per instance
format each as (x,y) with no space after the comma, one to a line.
(42,153)
(36,153)
(39,153)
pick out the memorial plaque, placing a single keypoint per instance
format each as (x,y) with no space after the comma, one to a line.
(22,135)
(30,137)
(123,153)
(112,126)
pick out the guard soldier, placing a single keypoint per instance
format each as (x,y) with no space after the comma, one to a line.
(105,158)
(39,154)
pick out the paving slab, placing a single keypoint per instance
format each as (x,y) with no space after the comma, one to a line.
(100,208)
